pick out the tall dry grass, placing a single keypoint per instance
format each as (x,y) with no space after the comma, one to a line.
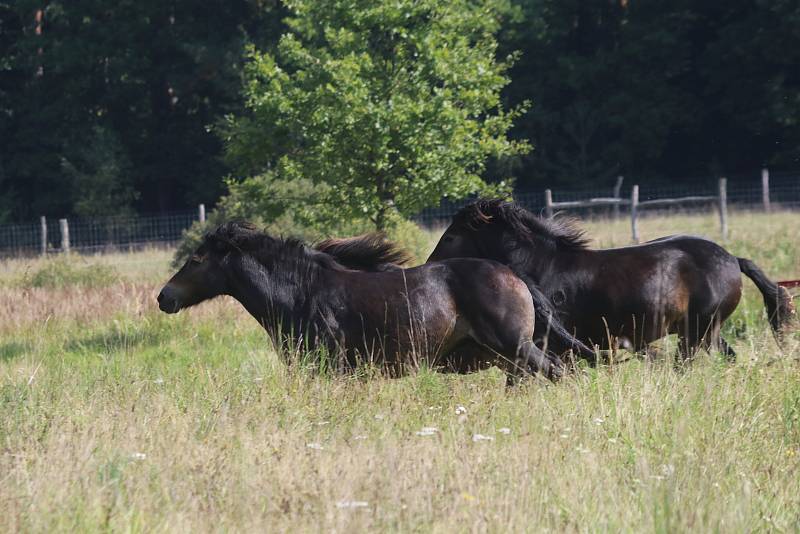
(116,417)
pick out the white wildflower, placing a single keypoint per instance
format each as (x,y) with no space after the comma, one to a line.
(504,430)
(352,504)
(315,446)
(460,410)
(138,456)
(667,470)
(480,437)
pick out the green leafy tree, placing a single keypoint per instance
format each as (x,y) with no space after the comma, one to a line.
(387,106)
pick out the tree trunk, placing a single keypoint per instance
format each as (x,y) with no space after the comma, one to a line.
(385,199)
(380,218)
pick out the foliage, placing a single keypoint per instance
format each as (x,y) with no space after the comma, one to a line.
(283,208)
(100,171)
(657,90)
(652,90)
(389,105)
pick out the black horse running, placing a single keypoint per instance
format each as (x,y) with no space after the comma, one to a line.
(396,318)
(627,296)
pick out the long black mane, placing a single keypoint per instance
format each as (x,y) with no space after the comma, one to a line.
(247,239)
(526,226)
(368,252)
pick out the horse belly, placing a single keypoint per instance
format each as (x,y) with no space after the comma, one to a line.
(630,314)
(411,328)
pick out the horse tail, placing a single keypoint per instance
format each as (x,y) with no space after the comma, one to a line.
(780,309)
(557,336)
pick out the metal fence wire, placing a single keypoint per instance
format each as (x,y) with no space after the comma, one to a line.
(96,234)
(784,194)
(138,231)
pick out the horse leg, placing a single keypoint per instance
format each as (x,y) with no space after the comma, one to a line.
(714,340)
(705,334)
(530,359)
(517,354)
(535,359)
(726,349)
(689,336)
(466,357)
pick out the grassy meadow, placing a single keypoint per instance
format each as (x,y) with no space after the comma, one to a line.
(114,416)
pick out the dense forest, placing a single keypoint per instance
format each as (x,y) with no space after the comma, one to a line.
(112,107)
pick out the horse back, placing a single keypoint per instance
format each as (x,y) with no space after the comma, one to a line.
(671,277)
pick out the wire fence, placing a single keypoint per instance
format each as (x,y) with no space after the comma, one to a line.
(135,232)
(101,234)
(784,193)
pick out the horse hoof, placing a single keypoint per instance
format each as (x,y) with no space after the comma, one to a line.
(556,373)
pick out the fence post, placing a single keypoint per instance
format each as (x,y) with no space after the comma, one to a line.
(43,221)
(201,213)
(765,189)
(723,206)
(617,189)
(548,203)
(64,225)
(635,213)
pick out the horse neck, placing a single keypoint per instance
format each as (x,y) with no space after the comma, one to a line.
(541,260)
(274,298)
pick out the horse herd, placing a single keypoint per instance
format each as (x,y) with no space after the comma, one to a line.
(502,287)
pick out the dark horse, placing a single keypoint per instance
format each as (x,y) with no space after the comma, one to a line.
(303,297)
(373,252)
(621,297)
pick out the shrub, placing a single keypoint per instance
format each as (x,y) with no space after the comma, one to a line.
(66,271)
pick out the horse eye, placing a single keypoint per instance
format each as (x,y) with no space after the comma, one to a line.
(197,259)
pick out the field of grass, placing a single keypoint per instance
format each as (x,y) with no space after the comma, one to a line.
(114,416)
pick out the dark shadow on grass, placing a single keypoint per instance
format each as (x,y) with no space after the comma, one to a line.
(12,350)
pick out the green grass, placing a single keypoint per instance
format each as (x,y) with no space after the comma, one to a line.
(66,272)
(116,417)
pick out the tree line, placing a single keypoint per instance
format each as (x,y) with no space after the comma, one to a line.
(107,108)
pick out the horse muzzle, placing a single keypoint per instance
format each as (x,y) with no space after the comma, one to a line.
(168,301)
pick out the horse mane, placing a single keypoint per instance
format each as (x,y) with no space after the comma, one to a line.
(367,252)
(246,238)
(523,224)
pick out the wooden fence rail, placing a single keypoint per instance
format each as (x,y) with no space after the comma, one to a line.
(720,200)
